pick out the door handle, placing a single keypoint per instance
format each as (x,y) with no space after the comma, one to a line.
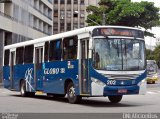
(43,77)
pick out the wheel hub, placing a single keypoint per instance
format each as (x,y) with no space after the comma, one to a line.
(72,92)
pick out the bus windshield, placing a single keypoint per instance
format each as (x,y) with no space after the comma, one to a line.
(118,54)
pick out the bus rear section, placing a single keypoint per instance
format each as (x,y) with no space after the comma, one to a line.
(89,62)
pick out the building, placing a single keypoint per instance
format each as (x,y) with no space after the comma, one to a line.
(70,14)
(22,20)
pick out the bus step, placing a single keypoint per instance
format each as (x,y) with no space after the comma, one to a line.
(40,93)
(85,94)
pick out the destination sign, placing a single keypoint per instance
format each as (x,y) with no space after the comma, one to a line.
(5,1)
(118,32)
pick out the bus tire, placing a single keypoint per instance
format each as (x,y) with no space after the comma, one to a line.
(115,99)
(72,97)
(23,91)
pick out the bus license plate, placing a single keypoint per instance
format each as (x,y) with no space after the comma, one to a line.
(122,91)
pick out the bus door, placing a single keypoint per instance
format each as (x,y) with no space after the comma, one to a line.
(84,71)
(38,68)
(12,63)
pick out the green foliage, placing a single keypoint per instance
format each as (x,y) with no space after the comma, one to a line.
(156,53)
(149,54)
(125,13)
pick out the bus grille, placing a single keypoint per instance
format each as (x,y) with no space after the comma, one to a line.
(121,77)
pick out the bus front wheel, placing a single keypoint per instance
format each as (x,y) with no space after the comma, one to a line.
(115,99)
(71,95)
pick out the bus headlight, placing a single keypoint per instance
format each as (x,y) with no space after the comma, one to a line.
(142,82)
(155,76)
(97,81)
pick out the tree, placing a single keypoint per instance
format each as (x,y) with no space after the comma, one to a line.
(149,54)
(156,53)
(125,13)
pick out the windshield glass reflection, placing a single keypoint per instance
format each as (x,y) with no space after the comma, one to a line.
(119,54)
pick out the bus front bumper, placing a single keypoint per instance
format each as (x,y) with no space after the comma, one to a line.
(121,90)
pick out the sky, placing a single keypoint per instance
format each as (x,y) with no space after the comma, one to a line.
(155,30)
(157,2)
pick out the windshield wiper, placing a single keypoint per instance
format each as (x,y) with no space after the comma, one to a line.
(125,49)
(117,49)
(104,34)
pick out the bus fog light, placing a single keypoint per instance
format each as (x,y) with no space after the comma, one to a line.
(155,76)
(98,81)
(142,82)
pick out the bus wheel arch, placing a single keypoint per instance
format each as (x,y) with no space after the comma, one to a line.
(23,90)
(20,83)
(67,81)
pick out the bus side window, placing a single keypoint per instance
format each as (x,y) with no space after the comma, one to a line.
(6,58)
(28,57)
(20,55)
(55,50)
(46,52)
(70,48)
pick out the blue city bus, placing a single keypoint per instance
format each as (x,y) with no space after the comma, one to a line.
(93,61)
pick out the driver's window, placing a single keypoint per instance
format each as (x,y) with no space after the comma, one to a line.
(136,51)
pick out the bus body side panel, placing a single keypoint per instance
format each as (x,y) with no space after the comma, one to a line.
(21,72)
(39,80)
(6,75)
(57,72)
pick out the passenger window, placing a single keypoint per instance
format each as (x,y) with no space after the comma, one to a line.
(55,51)
(19,55)
(46,52)
(28,57)
(6,58)
(70,48)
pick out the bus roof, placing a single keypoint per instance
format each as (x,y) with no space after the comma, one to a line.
(62,35)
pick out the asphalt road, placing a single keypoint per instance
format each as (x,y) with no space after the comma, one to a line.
(12,102)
